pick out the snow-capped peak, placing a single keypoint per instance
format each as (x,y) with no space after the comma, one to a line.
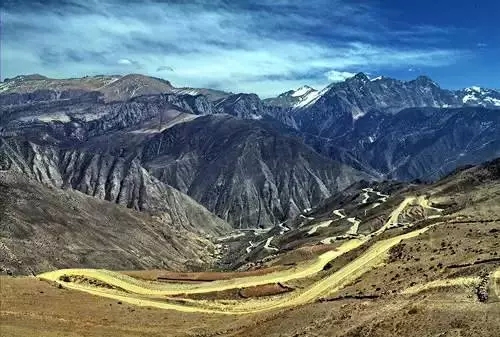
(474,88)
(481,96)
(186,91)
(310,98)
(304,90)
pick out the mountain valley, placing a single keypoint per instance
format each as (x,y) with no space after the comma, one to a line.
(130,207)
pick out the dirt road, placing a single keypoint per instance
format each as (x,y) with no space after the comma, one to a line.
(143,293)
(146,296)
(165,289)
(393,218)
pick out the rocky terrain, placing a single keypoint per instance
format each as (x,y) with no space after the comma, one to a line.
(361,209)
(203,158)
(43,227)
(123,138)
(104,177)
(381,126)
(410,144)
(160,185)
(120,151)
(396,129)
(25,89)
(293,98)
(418,251)
(244,171)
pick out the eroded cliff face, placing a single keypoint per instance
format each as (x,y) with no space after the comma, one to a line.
(423,143)
(267,162)
(119,151)
(244,171)
(44,228)
(114,179)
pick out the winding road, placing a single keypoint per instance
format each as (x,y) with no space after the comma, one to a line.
(154,294)
(337,213)
(250,247)
(328,222)
(320,225)
(267,246)
(166,289)
(354,228)
(284,228)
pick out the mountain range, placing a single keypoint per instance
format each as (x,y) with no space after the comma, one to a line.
(140,142)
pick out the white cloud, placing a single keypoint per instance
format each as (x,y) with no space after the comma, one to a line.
(338,76)
(236,50)
(124,62)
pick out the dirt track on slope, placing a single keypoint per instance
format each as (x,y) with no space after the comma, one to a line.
(152,294)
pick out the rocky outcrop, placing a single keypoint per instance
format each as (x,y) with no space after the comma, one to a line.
(45,228)
(248,106)
(422,143)
(335,109)
(79,119)
(293,98)
(115,179)
(244,171)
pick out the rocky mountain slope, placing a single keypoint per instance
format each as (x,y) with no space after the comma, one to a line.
(381,125)
(360,94)
(424,143)
(113,136)
(471,192)
(44,228)
(474,96)
(247,106)
(293,98)
(244,171)
(115,179)
(112,88)
(32,88)
(370,125)
(337,107)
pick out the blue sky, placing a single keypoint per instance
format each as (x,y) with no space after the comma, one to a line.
(266,47)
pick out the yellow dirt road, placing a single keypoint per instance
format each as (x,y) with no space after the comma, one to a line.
(496,282)
(144,293)
(425,203)
(137,286)
(393,218)
(371,258)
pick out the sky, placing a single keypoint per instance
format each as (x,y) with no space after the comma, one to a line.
(265,47)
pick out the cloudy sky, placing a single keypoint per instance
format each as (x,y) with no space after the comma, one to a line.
(262,46)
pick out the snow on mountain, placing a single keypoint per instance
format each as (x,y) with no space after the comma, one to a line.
(294,98)
(305,90)
(211,94)
(360,94)
(309,99)
(493,101)
(480,96)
